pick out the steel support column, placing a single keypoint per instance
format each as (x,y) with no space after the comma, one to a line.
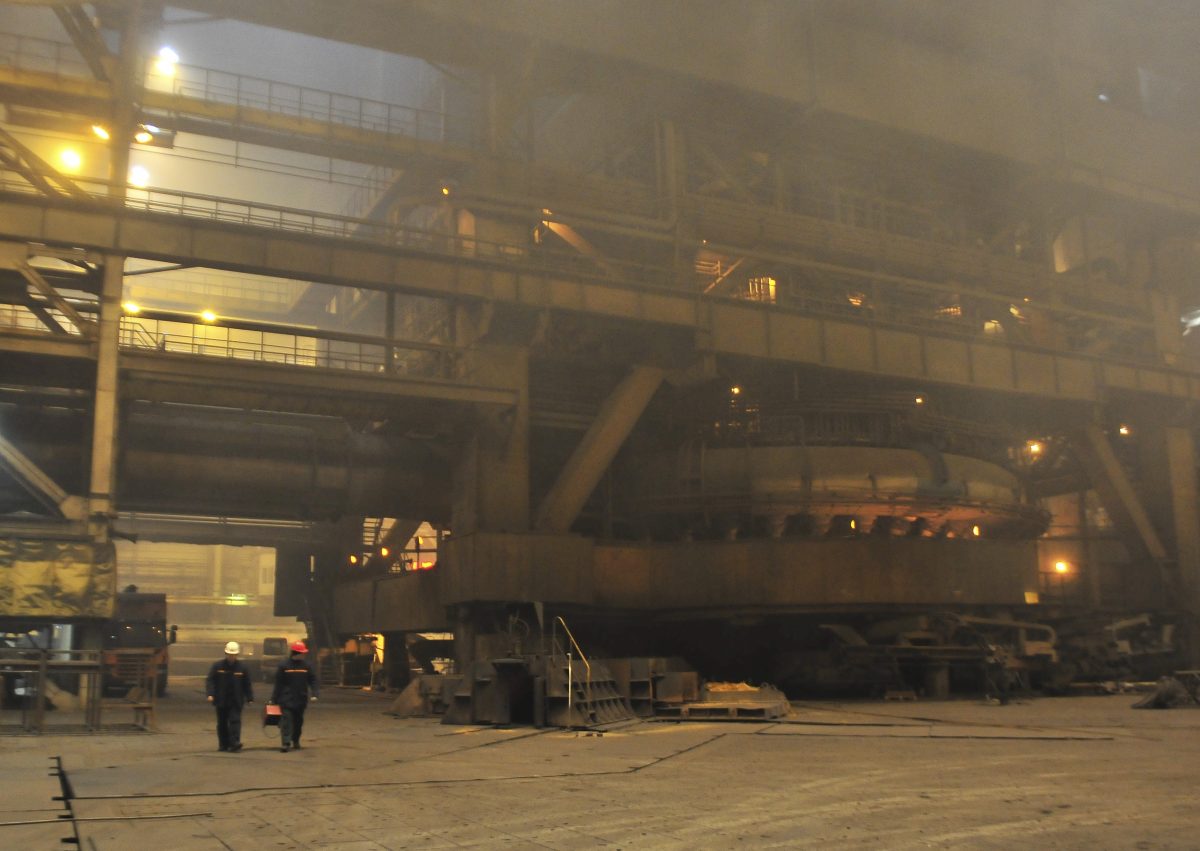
(491,481)
(616,419)
(104,419)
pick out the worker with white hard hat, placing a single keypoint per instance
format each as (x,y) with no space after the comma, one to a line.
(228,688)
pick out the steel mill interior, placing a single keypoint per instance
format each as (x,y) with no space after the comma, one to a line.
(556,360)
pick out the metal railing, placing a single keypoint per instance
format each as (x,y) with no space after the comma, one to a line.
(62,59)
(617,274)
(570,673)
(40,54)
(284,346)
(70,681)
(326,107)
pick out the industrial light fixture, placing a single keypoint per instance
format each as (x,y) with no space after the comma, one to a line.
(1062,567)
(70,159)
(1124,430)
(131,307)
(165,62)
(445,190)
(385,552)
(139,177)
(208,316)
(100,132)
(151,134)
(353,559)
(919,400)
(975,531)
(735,391)
(1034,447)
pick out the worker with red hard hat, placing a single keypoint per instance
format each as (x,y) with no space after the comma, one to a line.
(295,688)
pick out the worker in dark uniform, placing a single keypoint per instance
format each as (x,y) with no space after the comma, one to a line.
(228,688)
(295,687)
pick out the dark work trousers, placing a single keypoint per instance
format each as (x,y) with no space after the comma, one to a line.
(291,724)
(229,726)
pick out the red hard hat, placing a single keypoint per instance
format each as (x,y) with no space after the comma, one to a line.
(299,647)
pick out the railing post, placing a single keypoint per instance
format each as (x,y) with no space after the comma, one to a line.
(39,705)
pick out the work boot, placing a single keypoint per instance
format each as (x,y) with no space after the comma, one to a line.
(235,748)
(284,749)
(296,745)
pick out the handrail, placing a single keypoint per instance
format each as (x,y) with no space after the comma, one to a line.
(211,85)
(586,664)
(636,276)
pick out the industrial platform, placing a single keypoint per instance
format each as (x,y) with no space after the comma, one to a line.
(1065,773)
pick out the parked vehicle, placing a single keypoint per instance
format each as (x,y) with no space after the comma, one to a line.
(135,636)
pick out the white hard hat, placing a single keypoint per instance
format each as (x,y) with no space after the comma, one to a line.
(232,648)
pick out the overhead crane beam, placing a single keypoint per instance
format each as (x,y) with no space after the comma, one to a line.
(728,327)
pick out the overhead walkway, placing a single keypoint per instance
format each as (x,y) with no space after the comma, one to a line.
(199,230)
(36,72)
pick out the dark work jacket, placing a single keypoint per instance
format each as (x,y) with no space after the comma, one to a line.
(228,684)
(293,681)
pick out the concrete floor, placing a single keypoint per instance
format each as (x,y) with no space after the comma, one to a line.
(1082,772)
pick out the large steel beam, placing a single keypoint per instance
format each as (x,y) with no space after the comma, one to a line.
(39,172)
(616,419)
(221,530)
(698,579)
(85,326)
(192,373)
(51,345)
(1117,493)
(34,480)
(725,326)
(87,40)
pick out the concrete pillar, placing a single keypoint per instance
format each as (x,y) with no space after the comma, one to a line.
(102,486)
